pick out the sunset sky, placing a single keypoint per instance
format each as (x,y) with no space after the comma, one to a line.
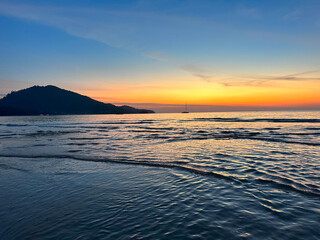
(212,55)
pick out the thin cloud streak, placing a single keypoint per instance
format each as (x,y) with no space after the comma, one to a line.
(290,77)
(249,12)
(197,71)
(261,80)
(205,78)
(294,15)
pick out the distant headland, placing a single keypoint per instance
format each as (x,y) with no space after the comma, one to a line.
(51,100)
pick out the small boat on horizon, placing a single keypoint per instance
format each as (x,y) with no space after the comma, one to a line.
(186,110)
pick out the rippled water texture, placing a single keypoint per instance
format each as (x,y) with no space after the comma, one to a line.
(161,176)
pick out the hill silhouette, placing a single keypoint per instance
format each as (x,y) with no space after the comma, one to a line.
(52,100)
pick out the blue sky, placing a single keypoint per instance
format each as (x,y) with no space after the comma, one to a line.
(105,45)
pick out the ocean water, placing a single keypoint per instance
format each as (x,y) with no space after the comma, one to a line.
(161,176)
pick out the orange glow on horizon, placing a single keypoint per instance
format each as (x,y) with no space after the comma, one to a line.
(292,93)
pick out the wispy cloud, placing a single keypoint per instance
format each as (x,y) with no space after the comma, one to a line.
(205,78)
(248,12)
(289,77)
(261,80)
(159,56)
(293,15)
(242,83)
(197,71)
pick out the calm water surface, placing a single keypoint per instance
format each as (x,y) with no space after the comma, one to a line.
(161,176)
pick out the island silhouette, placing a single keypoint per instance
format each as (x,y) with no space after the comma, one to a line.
(51,100)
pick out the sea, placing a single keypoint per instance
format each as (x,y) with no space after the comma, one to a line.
(239,175)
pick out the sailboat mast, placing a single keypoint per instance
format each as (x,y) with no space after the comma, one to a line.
(186,109)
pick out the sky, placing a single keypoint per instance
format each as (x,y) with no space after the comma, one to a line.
(223,55)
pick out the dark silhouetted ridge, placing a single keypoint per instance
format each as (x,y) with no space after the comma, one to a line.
(52,100)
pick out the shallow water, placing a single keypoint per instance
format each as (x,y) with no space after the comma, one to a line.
(161,176)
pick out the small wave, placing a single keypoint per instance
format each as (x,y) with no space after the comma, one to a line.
(275,120)
(151,128)
(176,165)
(288,187)
(77,144)
(14,125)
(286,141)
(7,167)
(284,153)
(49,133)
(8,135)
(159,128)
(298,134)
(145,131)
(157,136)
(100,127)
(222,155)
(74,151)
(87,138)
(312,128)
(173,165)
(128,122)
(230,134)
(39,145)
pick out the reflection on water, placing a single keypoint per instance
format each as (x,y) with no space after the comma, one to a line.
(201,175)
